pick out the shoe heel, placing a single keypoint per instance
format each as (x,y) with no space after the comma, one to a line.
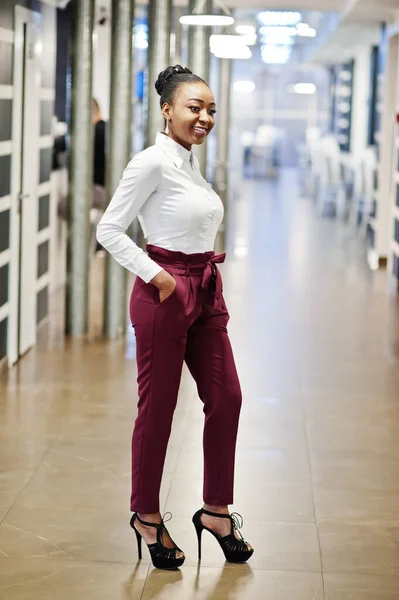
(199,531)
(139,538)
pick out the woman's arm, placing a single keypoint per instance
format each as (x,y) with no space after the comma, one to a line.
(140,179)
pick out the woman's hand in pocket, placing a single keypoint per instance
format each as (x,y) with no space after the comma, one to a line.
(165,283)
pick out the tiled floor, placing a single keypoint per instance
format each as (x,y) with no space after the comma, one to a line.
(316,340)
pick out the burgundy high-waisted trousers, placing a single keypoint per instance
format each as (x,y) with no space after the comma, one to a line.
(190,325)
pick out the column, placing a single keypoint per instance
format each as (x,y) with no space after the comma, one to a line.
(80,171)
(159,21)
(199,62)
(119,147)
(221,171)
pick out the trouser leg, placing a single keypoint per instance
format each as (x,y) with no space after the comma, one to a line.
(160,343)
(210,359)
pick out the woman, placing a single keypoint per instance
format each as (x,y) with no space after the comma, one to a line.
(179,314)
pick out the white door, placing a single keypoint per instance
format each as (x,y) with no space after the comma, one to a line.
(24,185)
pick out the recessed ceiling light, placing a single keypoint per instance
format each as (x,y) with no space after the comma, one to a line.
(272,30)
(240,52)
(303,30)
(244,87)
(246,29)
(303,88)
(275,54)
(277,17)
(205,20)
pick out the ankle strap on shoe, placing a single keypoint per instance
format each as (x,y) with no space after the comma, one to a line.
(161,524)
(212,514)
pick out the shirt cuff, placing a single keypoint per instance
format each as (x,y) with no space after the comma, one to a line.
(150,271)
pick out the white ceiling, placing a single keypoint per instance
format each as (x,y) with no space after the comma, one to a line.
(370,10)
(324,5)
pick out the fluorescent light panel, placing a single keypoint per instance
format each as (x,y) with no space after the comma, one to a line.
(303,30)
(246,29)
(275,17)
(242,52)
(244,87)
(224,41)
(276,40)
(272,30)
(275,54)
(303,88)
(206,20)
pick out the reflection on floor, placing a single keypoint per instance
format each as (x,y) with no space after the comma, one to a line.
(316,342)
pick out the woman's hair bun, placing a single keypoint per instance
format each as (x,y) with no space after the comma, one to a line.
(167,74)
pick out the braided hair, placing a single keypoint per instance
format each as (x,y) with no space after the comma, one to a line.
(170,79)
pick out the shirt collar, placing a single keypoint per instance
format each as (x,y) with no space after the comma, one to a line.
(176,152)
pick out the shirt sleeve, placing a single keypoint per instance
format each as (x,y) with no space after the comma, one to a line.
(140,179)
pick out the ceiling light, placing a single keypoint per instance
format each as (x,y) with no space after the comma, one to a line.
(246,29)
(198,16)
(210,20)
(241,52)
(275,54)
(274,17)
(303,88)
(276,40)
(244,87)
(303,30)
(272,30)
(249,39)
(226,40)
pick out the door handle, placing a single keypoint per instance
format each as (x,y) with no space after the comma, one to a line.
(21,197)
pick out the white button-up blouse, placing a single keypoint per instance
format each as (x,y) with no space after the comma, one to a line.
(177,209)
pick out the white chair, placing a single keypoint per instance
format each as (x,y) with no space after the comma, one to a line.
(308,158)
(364,189)
(331,192)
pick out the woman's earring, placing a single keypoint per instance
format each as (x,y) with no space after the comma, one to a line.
(167,127)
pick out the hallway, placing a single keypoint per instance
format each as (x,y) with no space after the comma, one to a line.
(316,340)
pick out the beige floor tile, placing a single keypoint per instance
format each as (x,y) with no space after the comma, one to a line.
(106,429)
(356,470)
(362,433)
(381,505)
(355,377)
(266,501)
(352,405)
(233,582)
(21,454)
(278,546)
(361,587)
(273,433)
(94,536)
(279,465)
(11,484)
(38,579)
(261,408)
(69,489)
(3,512)
(352,547)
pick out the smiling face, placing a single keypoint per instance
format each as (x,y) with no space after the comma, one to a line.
(191,117)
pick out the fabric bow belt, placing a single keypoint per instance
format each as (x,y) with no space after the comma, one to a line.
(211,273)
(185,264)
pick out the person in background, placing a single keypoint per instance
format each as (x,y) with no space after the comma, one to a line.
(99,168)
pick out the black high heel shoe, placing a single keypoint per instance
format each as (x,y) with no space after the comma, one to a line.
(235,550)
(162,557)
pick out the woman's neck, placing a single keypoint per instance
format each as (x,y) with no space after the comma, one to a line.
(185,146)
